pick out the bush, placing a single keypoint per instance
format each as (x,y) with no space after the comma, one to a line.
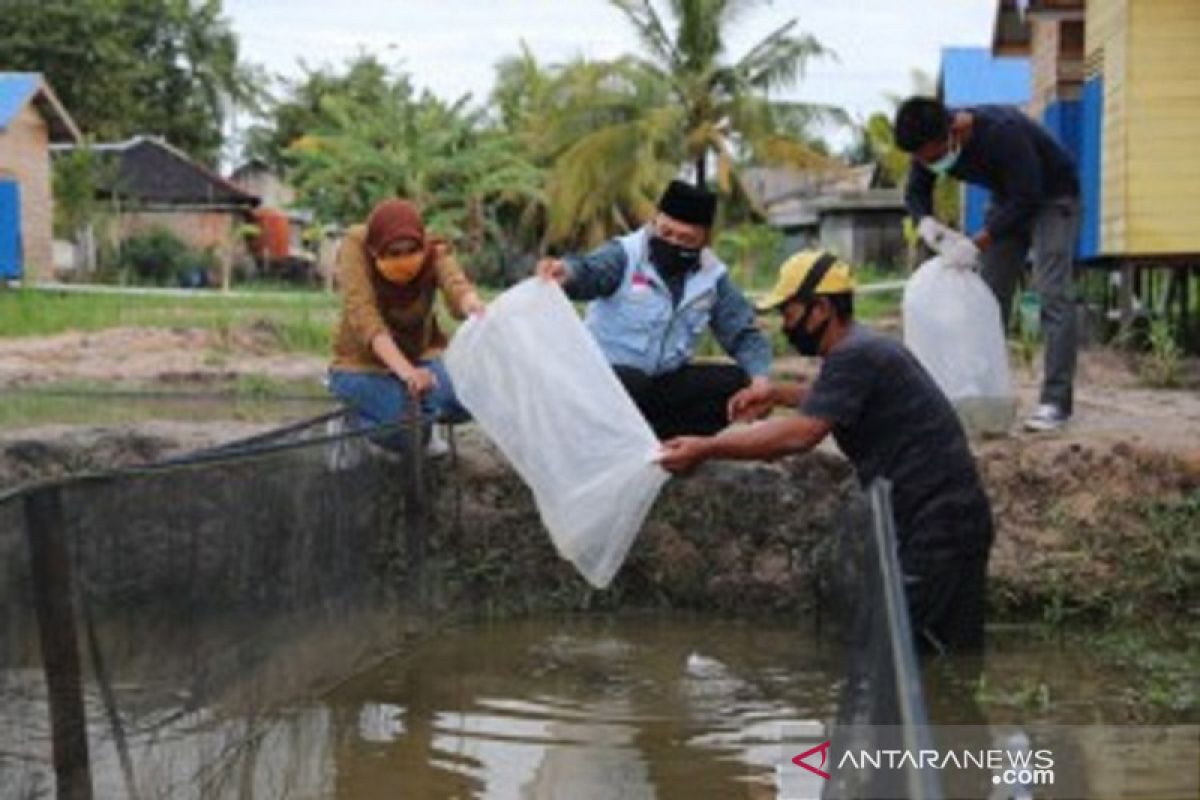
(160,258)
(753,252)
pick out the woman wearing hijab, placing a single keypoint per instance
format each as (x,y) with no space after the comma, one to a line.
(388,344)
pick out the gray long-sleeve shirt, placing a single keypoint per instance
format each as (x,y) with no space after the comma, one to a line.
(600,273)
(1013,157)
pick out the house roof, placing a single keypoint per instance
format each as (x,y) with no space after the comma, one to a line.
(149,170)
(868,200)
(250,167)
(1011,32)
(973,76)
(792,198)
(770,186)
(18,89)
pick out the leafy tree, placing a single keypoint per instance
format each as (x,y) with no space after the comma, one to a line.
(612,133)
(726,105)
(122,67)
(373,136)
(300,108)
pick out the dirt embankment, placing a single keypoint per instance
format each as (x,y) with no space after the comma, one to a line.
(1095,530)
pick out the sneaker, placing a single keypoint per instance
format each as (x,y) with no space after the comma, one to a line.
(437,444)
(1048,417)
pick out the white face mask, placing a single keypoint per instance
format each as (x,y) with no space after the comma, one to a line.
(943,164)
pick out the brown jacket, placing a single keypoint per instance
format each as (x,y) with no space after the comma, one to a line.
(371,305)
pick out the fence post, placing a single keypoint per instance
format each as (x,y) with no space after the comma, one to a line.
(53,594)
(416,504)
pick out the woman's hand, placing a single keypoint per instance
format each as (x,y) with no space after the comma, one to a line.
(473,305)
(418,380)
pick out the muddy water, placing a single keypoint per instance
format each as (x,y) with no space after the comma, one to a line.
(657,708)
(585,709)
(633,707)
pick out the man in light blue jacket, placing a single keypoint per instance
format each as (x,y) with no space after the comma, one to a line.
(652,294)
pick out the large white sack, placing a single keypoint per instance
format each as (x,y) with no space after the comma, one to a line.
(952,325)
(539,386)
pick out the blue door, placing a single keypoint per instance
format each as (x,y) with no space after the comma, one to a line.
(10,229)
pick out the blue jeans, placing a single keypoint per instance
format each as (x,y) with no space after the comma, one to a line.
(382,399)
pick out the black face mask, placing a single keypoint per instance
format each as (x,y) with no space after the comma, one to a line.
(806,344)
(672,259)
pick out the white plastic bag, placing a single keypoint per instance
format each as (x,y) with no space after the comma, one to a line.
(539,386)
(952,325)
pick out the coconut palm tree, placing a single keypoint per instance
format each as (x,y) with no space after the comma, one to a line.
(612,133)
(726,106)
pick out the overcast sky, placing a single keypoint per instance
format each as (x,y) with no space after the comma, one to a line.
(451,46)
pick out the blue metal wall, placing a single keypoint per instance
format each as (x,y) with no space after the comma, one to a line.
(1090,127)
(1065,119)
(10,230)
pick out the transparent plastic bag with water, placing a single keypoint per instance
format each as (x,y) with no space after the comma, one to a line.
(952,325)
(537,383)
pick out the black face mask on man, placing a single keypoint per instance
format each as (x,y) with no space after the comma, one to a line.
(806,343)
(671,258)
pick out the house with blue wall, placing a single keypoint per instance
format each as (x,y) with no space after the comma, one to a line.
(31,118)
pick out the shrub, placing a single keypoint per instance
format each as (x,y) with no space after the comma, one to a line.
(160,258)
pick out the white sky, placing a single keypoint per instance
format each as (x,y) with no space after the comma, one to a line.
(451,46)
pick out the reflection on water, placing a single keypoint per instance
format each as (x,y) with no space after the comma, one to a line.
(585,709)
(581,708)
(636,708)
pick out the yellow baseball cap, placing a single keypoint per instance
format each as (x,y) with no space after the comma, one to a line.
(807,273)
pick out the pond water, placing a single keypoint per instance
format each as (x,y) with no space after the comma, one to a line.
(561,707)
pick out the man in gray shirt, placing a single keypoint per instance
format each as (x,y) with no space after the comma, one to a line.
(1035,205)
(892,421)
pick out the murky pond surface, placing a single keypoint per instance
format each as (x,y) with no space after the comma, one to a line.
(585,709)
(564,707)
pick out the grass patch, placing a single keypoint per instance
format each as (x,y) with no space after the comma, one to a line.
(302,321)
(249,399)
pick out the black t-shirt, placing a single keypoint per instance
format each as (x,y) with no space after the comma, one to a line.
(892,421)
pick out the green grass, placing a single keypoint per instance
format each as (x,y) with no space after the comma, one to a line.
(249,399)
(302,321)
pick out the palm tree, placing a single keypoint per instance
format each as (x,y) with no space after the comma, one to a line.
(726,106)
(612,133)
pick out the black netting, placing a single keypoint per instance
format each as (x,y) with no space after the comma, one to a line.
(882,705)
(177,609)
(163,626)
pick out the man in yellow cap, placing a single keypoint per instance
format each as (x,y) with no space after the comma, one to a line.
(891,421)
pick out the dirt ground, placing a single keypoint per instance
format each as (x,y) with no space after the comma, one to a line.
(1112,404)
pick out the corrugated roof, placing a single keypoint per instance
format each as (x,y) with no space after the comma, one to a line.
(16,89)
(154,172)
(973,76)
